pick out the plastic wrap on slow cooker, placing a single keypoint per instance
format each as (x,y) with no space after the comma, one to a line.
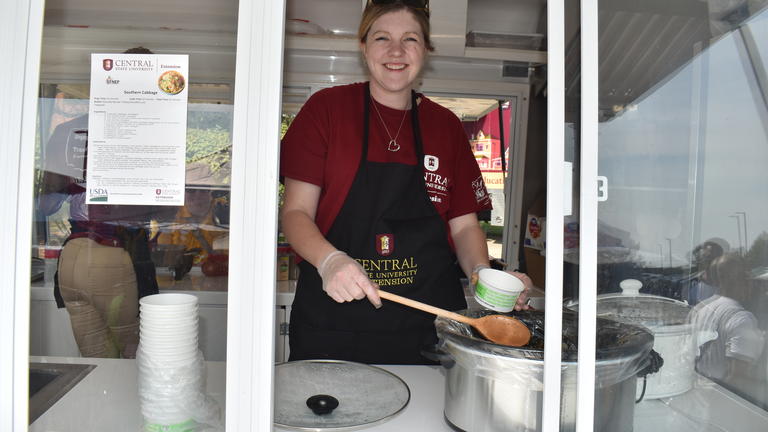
(621,349)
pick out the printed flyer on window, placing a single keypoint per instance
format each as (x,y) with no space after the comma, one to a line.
(137,129)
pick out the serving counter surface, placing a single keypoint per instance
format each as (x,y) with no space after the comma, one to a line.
(106,399)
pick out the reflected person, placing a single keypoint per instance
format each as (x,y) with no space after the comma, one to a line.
(104,266)
(740,342)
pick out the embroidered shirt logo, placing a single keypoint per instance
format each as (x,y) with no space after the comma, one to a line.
(481,193)
(431,163)
(385,244)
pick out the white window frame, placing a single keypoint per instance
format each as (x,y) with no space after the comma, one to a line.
(256,132)
(553,294)
(21,27)
(253,215)
(585,384)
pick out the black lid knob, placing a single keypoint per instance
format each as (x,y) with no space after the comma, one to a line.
(322,404)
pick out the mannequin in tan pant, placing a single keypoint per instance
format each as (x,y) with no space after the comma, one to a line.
(98,285)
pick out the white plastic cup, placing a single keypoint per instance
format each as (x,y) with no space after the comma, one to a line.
(166,347)
(162,348)
(170,339)
(169,314)
(168,301)
(164,362)
(164,425)
(498,290)
(168,327)
(168,309)
(168,323)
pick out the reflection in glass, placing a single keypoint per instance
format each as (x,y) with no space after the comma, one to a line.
(683,132)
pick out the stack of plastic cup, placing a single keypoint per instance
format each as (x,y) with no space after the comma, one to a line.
(171,368)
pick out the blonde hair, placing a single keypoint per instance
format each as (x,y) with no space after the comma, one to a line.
(373,12)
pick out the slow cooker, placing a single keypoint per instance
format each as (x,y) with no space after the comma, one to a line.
(675,339)
(493,388)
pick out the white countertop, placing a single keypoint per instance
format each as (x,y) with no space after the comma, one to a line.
(106,400)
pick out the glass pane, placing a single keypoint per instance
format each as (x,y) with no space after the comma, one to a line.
(484,127)
(682,142)
(95,262)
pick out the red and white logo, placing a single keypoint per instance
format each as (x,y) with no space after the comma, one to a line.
(385,244)
(107,64)
(431,163)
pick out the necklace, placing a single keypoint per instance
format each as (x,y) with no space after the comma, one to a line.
(392,146)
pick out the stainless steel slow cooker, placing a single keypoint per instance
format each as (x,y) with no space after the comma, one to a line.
(493,388)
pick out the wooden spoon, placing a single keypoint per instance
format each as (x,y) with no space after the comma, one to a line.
(499,329)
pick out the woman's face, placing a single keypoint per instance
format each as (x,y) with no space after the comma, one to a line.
(394,52)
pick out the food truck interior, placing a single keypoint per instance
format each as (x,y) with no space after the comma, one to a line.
(683,122)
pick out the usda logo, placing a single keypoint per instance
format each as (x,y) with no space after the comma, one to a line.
(98,195)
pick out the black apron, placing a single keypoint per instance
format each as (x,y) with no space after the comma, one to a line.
(389,225)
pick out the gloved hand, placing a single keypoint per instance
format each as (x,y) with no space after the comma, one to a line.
(476,274)
(345,280)
(522,300)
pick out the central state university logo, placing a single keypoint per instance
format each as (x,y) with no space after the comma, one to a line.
(107,64)
(385,244)
(431,163)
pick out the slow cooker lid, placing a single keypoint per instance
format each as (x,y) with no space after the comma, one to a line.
(365,394)
(646,310)
(632,307)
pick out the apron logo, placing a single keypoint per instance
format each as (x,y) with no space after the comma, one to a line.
(385,244)
(431,163)
(478,185)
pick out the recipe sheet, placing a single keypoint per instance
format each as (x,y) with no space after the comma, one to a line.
(137,129)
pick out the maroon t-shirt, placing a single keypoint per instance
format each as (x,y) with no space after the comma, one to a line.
(324,143)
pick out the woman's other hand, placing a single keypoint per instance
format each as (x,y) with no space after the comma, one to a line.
(345,280)
(522,300)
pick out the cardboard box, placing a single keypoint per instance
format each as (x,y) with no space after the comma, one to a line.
(534,266)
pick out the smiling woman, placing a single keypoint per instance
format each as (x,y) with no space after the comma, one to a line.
(379,174)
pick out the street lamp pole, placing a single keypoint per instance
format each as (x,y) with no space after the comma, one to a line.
(746,242)
(738,231)
(661,256)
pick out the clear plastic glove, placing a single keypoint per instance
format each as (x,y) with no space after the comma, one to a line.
(522,300)
(345,280)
